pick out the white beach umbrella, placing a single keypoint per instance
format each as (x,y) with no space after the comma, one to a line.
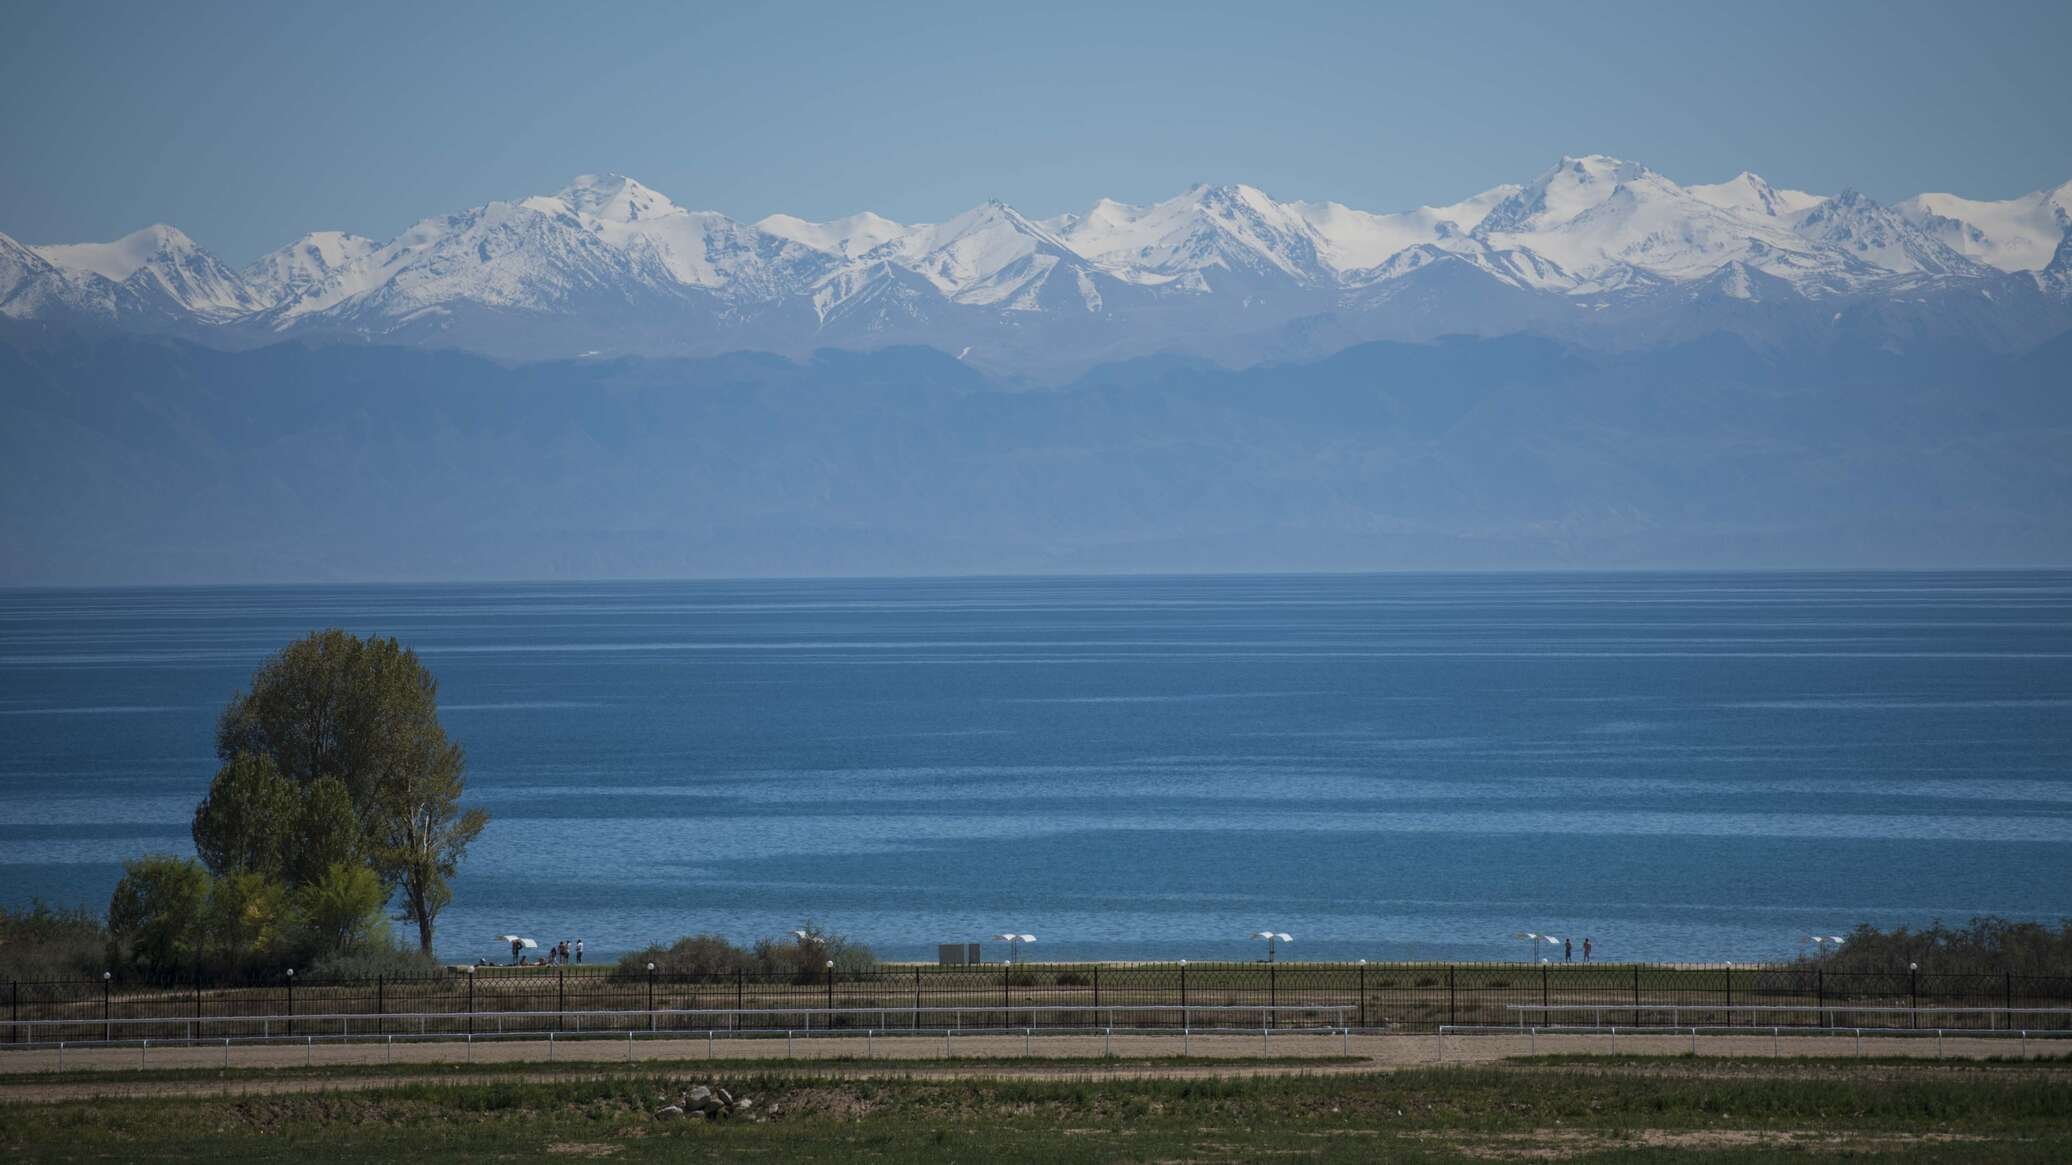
(1273,938)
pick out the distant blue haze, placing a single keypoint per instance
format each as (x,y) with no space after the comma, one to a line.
(248,124)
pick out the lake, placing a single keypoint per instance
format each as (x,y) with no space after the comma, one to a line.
(1680,766)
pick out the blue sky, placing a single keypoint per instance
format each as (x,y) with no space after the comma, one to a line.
(247,124)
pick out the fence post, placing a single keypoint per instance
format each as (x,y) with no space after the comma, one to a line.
(1636,995)
(1452,1011)
(1363,993)
(740,977)
(560,996)
(471,1001)
(1005,970)
(1730,994)
(380,994)
(14,1011)
(1820,994)
(1183,983)
(197,992)
(2007,999)
(107,1028)
(1543,987)
(1273,995)
(917,999)
(1913,995)
(830,991)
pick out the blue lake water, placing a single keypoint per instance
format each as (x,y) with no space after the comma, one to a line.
(1681,766)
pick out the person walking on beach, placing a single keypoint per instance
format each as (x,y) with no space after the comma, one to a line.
(1586,950)
(1568,949)
(579,950)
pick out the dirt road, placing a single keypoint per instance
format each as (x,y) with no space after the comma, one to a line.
(909,1055)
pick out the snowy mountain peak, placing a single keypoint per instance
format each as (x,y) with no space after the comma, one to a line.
(1598,168)
(162,265)
(848,237)
(1752,194)
(1878,236)
(306,265)
(612,198)
(1235,229)
(1573,187)
(122,258)
(617,198)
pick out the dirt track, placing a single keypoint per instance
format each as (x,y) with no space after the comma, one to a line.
(923,1056)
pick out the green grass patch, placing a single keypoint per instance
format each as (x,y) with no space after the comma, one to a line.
(1620,1110)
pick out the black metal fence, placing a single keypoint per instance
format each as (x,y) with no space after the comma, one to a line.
(1402,997)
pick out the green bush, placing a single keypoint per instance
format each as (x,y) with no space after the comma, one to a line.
(693,956)
(43,943)
(159,912)
(1985,945)
(393,962)
(802,960)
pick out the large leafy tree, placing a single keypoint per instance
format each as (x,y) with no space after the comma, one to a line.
(333,704)
(364,713)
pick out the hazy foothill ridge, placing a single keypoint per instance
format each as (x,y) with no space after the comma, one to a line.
(1594,249)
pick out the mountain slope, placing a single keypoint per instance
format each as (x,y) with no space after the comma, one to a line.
(291,462)
(2019,234)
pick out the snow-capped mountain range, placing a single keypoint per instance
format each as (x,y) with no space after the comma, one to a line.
(1592,247)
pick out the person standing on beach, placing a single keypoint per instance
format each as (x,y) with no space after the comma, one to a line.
(1586,950)
(579,950)
(1568,949)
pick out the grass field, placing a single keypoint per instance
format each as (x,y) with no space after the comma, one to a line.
(1583,1109)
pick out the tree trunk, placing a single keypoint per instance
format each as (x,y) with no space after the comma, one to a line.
(423,917)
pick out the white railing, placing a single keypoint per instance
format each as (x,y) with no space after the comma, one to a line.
(1675,1011)
(1777,1033)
